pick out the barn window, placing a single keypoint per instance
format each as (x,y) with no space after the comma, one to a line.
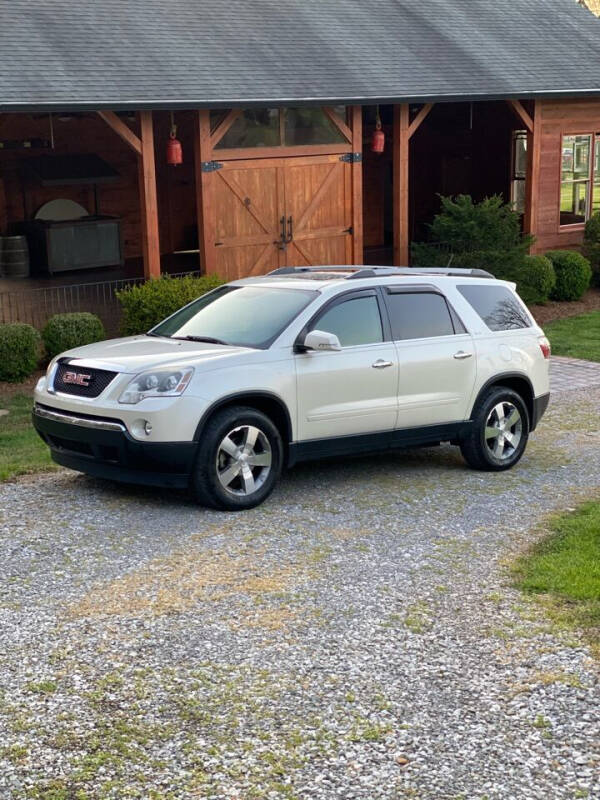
(278,127)
(576,178)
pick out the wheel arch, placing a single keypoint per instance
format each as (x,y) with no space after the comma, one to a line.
(518,382)
(268,403)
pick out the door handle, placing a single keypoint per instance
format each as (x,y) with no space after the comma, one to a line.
(462,355)
(290,235)
(381,364)
(281,242)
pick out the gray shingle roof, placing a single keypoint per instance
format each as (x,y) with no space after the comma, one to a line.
(192,53)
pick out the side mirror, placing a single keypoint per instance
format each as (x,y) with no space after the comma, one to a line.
(321,340)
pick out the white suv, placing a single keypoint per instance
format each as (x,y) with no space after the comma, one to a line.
(300,364)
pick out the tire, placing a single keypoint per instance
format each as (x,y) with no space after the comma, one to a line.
(504,448)
(229,473)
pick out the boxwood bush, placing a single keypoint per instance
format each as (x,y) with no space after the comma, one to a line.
(535,279)
(573,274)
(147,304)
(19,351)
(64,331)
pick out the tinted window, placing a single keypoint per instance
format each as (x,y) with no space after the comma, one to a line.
(419,316)
(355,321)
(497,306)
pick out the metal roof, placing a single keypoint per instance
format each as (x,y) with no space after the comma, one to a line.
(92,54)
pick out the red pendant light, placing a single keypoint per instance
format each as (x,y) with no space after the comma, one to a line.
(174,148)
(378,138)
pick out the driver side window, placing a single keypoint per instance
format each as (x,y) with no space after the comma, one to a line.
(355,321)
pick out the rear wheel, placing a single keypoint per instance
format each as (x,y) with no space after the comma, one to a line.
(499,433)
(239,460)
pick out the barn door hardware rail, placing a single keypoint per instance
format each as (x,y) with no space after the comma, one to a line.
(210,166)
(351,158)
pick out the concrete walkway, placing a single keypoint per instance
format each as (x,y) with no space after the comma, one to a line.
(573,373)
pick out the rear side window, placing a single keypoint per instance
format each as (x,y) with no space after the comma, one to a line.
(497,306)
(355,321)
(419,315)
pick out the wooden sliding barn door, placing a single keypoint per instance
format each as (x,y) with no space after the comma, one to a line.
(248,208)
(318,208)
(285,207)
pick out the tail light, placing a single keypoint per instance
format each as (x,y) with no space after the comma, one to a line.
(545,347)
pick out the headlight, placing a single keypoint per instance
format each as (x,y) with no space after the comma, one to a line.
(157,383)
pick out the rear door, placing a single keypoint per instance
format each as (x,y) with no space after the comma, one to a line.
(436,357)
(352,391)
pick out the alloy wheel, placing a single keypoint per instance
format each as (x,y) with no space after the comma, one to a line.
(244,460)
(503,430)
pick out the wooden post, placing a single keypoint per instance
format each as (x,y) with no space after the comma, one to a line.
(205,212)
(148,198)
(534,150)
(401,184)
(357,190)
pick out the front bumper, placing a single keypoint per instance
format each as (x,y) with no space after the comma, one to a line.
(103,447)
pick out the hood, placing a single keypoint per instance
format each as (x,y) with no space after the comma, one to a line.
(135,354)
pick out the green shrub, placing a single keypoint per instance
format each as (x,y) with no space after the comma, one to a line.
(465,226)
(147,304)
(64,331)
(573,274)
(591,246)
(485,235)
(535,279)
(19,351)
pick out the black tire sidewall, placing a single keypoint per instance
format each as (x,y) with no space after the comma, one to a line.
(205,482)
(492,399)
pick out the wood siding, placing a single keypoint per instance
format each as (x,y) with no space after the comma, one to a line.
(556,119)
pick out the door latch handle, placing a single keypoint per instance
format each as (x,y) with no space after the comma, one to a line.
(281,242)
(462,355)
(290,235)
(381,364)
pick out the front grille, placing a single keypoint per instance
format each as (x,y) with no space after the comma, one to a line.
(70,444)
(93,381)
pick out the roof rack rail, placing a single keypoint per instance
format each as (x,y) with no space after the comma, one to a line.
(380,272)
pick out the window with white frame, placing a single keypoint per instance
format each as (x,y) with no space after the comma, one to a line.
(519,171)
(579,175)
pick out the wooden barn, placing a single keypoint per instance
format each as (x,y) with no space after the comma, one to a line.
(274,108)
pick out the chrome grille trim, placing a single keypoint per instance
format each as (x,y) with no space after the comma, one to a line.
(71,419)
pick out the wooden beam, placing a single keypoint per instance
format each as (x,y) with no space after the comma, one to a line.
(338,122)
(205,210)
(148,197)
(522,114)
(122,130)
(401,151)
(419,119)
(534,152)
(357,187)
(224,126)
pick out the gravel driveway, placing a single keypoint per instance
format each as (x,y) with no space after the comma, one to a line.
(356,637)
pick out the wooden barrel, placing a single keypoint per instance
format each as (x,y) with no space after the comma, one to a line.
(14,257)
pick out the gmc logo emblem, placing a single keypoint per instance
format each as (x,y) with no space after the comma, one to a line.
(77,378)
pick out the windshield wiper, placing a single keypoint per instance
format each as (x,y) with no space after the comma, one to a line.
(208,339)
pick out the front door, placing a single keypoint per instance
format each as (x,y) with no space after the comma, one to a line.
(352,391)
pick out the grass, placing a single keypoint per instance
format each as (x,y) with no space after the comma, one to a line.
(564,570)
(21,449)
(578,337)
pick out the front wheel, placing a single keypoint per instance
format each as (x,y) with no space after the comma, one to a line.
(499,431)
(239,460)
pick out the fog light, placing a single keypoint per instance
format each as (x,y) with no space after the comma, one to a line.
(147,429)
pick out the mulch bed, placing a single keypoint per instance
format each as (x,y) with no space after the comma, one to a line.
(554,310)
(8,390)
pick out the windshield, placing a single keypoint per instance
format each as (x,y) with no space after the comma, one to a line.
(247,316)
